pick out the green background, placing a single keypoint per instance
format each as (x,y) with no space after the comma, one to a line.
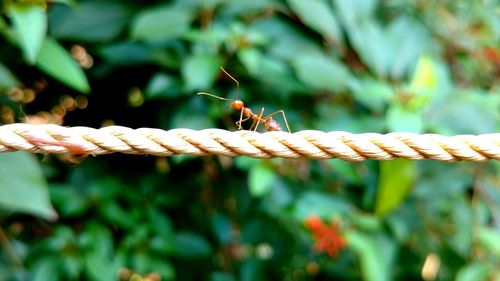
(356,66)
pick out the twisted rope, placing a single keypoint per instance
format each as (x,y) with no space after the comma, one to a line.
(310,144)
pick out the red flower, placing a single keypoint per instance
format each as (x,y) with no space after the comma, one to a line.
(491,54)
(326,236)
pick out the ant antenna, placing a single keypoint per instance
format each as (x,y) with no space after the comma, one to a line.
(234,79)
(213,96)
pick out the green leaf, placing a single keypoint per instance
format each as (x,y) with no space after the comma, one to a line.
(69,200)
(99,267)
(97,240)
(221,276)
(62,236)
(126,53)
(351,12)
(245,163)
(367,222)
(369,41)
(269,70)
(200,71)
(161,23)
(191,245)
(160,223)
(189,115)
(251,59)
(221,227)
(163,85)
(57,62)
(371,93)
(260,179)
(141,261)
(66,2)
(318,15)
(396,179)
(291,41)
(474,272)
(114,213)
(426,74)
(407,39)
(370,257)
(321,72)
(73,265)
(30,25)
(401,119)
(3,25)
(7,79)
(45,269)
(322,205)
(463,218)
(23,187)
(93,21)
(467,112)
(162,266)
(345,170)
(490,239)
(365,34)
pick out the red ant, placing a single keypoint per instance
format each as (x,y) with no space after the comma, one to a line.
(237,104)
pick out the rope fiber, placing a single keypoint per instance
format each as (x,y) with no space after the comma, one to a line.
(48,138)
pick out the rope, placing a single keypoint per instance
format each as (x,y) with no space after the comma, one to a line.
(309,144)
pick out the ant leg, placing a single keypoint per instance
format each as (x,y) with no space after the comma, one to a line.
(284,118)
(238,123)
(256,122)
(241,120)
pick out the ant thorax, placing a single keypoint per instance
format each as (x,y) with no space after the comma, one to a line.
(248,112)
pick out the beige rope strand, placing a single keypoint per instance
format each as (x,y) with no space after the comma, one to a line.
(304,144)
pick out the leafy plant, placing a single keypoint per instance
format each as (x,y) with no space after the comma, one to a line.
(358,66)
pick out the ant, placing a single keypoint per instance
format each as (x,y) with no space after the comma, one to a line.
(238,104)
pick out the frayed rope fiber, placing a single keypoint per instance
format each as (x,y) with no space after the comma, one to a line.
(303,144)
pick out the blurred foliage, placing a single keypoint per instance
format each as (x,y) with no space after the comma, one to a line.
(358,66)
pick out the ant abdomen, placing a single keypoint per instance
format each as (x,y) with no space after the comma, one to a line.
(272,125)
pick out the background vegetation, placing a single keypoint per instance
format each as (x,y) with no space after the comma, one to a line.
(358,66)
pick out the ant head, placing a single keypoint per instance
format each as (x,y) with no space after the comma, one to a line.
(237,104)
